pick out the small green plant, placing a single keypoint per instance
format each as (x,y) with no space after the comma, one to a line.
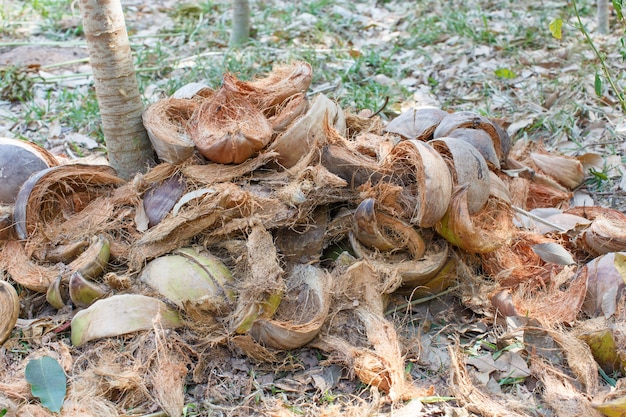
(556,26)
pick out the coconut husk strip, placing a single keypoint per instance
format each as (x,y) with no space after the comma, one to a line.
(167,374)
(540,195)
(59,192)
(357,124)
(558,303)
(263,286)
(212,173)
(282,82)
(483,232)
(288,111)
(175,232)
(473,398)
(227,128)
(26,273)
(559,393)
(579,360)
(567,170)
(355,168)
(165,122)
(516,263)
(422,184)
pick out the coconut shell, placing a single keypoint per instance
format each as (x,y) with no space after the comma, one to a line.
(480,140)
(9,310)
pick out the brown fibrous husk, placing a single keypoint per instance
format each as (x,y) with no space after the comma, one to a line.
(227,127)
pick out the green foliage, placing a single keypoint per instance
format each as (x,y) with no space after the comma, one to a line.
(47,381)
(555,28)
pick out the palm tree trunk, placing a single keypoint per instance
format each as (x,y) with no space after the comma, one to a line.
(128,147)
(240,30)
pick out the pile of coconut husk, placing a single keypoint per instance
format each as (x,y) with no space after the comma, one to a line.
(276,221)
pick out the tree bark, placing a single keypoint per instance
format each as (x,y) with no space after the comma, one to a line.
(128,146)
(603,16)
(240,30)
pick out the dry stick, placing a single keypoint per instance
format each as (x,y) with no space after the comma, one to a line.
(539,219)
(421,300)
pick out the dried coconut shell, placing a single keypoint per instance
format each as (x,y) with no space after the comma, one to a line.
(308,131)
(467,166)
(417,124)
(58,192)
(19,159)
(227,127)
(301,312)
(480,140)
(471,120)
(607,231)
(288,111)
(165,121)
(425,183)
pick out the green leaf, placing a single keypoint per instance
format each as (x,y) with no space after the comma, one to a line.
(598,85)
(555,28)
(620,264)
(617,5)
(505,73)
(47,381)
(3,412)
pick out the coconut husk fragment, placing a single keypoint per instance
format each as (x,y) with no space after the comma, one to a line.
(25,272)
(58,192)
(419,188)
(283,82)
(417,124)
(227,128)
(211,173)
(355,168)
(165,122)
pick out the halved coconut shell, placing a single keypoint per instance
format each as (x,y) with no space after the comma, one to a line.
(480,140)
(228,128)
(60,191)
(308,130)
(467,166)
(9,310)
(20,159)
(471,120)
(416,123)
(165,121)
(425,181)
(301,313)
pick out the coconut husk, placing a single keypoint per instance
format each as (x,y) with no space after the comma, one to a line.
(607,231)
(517,263)
(559,302)
(308,133)
(25,272)
(288,111)
(355,168)
(483,232)
(480,140)
(473,398)
(227,128)
(420,185)
(358,124)
(471,120)
(56,193)
(417,124)
(302,310)
(567,170)
(283,82)
(166,121)
(467,166)
(373,145)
